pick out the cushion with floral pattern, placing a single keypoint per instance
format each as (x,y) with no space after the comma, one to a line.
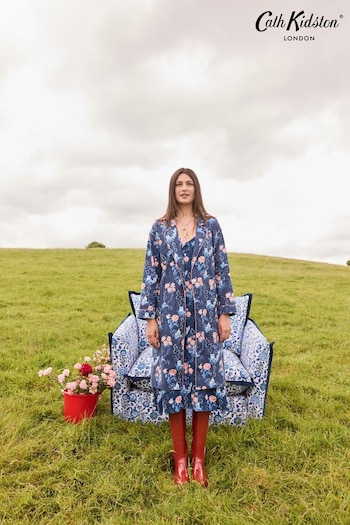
(236,377)
(238,322)
(140,372)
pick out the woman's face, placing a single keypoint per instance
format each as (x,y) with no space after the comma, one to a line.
(184,189)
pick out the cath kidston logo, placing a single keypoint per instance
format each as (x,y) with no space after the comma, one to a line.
(296,22)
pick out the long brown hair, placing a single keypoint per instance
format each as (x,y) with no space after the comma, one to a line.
(198,206)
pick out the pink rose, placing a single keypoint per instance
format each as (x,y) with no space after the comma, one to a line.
(70,387)
(61,379)
(45,372)
(83,385)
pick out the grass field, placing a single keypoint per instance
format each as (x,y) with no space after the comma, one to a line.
(292,467)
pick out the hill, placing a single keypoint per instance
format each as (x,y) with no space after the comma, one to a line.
(292,467)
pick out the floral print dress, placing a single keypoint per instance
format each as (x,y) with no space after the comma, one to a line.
(185,289)
(188,397)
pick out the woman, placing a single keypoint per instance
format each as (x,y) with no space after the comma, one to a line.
(187,298)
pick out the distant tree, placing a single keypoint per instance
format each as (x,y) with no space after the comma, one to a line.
(348,262)
(95,244)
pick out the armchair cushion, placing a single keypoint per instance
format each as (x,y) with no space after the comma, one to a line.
(140,372)
(237,378)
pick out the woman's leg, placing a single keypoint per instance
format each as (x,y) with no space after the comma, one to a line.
(200,423)
(177,423)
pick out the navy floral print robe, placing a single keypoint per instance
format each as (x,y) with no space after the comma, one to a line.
(164,297)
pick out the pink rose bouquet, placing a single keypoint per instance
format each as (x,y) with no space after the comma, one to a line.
(92,376)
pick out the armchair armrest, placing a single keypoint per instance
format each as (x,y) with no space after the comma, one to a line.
(256,357)
(124,345)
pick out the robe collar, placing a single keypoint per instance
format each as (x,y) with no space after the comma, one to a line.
(174,243)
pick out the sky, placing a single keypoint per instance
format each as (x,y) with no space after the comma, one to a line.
(102,100)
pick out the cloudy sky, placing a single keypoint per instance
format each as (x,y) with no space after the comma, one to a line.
(102,100)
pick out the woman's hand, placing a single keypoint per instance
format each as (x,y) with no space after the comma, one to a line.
(224,326)
(152,333)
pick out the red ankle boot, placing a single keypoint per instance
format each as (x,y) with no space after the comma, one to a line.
(177,424)
(200,425)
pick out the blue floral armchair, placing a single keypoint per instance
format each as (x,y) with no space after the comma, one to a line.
(247,359)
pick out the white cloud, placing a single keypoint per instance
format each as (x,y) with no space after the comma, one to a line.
(99,106)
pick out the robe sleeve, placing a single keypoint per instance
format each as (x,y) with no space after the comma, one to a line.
(151,277)
(226,300)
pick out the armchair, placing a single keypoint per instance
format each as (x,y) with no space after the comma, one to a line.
(247,359)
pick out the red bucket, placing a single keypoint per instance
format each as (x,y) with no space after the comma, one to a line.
(79,406)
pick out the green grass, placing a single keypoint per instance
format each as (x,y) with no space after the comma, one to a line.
(292,467)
